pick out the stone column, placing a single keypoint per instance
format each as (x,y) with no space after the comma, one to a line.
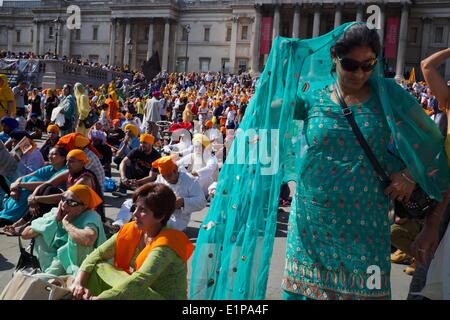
(316,23)
(447,63)
(41,27)
(402,42)
(296,25)
(67,40)
(276,22)
(233,43)
(359,11)
(426,32)
(173,50)
(10,30)
(382,23)
(35,37)
(121,41)
(165,57)
(256,41)
(127,43)
(112,43)
(150,40)
(338,15)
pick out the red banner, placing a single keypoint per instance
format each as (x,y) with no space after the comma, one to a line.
(391,41)
(266,34)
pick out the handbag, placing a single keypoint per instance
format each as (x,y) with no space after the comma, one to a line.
(27,261)
(420,204)
(91,119)
(40,286)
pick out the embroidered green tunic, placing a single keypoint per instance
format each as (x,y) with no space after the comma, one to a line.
(339,230)
(163,275)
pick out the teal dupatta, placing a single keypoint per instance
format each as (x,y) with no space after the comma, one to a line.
(234,247)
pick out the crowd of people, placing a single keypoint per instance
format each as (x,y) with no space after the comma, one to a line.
(169,138)
(79,61)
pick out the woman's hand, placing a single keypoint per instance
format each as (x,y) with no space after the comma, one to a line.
(424,247)
(59,213)
(400,188)
(79,292)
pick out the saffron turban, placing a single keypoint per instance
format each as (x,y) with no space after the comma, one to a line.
(86,195)
(132,128)
(79,155)
(165,165)
(53,127)
(147,138)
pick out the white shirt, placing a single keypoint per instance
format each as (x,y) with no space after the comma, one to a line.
(207,172)
(190,190)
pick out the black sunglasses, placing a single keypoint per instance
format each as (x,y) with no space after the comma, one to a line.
(70,202)
(352,65)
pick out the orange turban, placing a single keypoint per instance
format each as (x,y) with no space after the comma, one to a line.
(203,103)
(132,128)
(79,155)
(88,196)
(54,128)
(223,130)
(116,122)
(209,124)
(165,165)
(147,138)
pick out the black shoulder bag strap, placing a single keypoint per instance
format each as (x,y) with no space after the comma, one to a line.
(359,136)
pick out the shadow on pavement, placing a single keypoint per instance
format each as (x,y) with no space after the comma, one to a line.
(5,264)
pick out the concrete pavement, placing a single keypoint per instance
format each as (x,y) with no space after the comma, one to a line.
(9,252)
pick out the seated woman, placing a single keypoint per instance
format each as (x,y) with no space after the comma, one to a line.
(76,174)
(157,254)
(53,132)
(16,205)
(67,234)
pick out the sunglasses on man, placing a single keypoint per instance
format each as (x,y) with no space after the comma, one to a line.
(70,202)
(352,65)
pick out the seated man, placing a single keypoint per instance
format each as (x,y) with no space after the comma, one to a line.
(9,125)
(67,234)
(201,163)
(35,126)
(129,143)
(115,134)
(53,138)
(189,193)
(135,169)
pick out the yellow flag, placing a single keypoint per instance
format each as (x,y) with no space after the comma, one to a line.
(412,77)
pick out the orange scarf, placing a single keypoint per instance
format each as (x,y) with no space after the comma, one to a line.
(128,240)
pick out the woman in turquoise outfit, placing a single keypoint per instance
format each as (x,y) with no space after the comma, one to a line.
(338,242)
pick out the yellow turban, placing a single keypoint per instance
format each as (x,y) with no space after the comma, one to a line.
(79,155)
(88,196)
(165,165)
(53,127)
(147,138)
(202,139)
(132,128)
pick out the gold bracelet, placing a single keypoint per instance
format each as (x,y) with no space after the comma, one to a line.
(407,178)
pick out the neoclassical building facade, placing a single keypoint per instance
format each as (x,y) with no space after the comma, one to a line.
(223,35)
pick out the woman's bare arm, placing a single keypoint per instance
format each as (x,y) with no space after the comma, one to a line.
(435,81)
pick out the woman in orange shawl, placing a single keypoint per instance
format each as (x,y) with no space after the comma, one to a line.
(149,258)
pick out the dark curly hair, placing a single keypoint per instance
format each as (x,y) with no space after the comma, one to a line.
(159,198)
(358,35)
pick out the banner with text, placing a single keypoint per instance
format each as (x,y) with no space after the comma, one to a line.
(391,42)
(266,34)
